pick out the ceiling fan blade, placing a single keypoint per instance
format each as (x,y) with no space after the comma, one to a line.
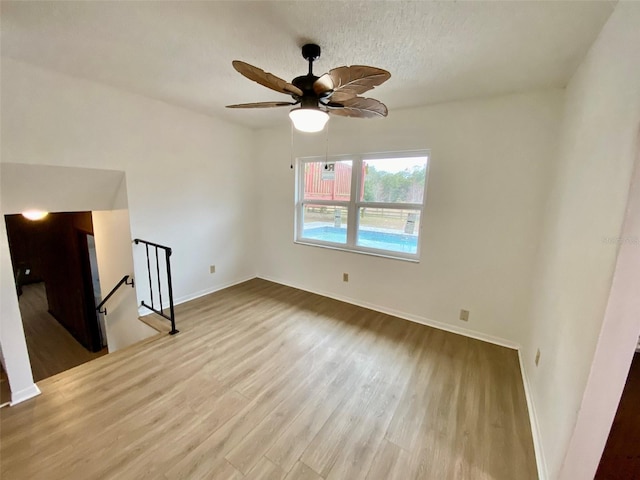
(267,79)
(323,85)
(359,107)
(262,105)
(349,82)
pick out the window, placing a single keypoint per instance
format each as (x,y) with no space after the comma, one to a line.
(364,203)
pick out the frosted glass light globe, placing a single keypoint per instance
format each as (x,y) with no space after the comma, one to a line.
(308,120)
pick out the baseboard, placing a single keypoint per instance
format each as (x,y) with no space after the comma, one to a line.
(533,419)
(406,316)
(24,394)
(142,311)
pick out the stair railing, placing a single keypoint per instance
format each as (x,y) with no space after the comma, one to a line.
(123,281)
(167,254)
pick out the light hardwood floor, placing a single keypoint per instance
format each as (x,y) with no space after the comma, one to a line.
(52,349)
(268,382)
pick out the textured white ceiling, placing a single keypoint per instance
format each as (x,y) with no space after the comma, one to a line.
(181,52)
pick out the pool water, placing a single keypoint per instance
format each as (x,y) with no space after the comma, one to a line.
(395,242)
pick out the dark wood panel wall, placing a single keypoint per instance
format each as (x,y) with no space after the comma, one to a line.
(56,252)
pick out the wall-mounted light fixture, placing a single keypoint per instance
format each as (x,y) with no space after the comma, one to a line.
(35,214)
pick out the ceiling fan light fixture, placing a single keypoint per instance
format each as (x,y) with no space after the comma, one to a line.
(309,120)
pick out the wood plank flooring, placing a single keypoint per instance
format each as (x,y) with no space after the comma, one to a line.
(269,382)
(52,349)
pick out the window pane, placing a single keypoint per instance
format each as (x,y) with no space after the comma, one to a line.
(394,180)
(326,223)
(327,181)
(389,229)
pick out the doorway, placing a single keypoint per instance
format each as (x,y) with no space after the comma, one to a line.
(94,279)
(621,457)
(54,261)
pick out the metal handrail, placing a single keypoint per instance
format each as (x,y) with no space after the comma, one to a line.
(124,280)
(138,240)
(167,251)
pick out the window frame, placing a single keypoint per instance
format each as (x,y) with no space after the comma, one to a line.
(354,205)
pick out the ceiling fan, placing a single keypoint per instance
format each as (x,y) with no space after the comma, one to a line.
(336,92)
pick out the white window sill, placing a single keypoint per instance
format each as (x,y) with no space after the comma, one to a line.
(360,250)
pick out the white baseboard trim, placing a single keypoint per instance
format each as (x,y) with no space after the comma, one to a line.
(142,311)
(533,419)
(24,394)
(406,316)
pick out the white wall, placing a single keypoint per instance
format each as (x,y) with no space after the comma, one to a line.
(614,351)
(584,215)
(487,181)
(188,181)
(14,345)
(188,175)
(59,189)
(113,248)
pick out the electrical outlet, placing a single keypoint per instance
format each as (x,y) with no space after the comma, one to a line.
(345,277)
(464,315)
(212,269)
(537,357)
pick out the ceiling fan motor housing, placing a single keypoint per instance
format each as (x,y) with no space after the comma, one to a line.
(309,117)
(305,83)
(309,98)
(311,51)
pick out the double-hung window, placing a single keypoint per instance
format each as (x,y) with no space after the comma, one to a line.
(364,203)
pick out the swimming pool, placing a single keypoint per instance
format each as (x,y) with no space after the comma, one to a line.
(381,240)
